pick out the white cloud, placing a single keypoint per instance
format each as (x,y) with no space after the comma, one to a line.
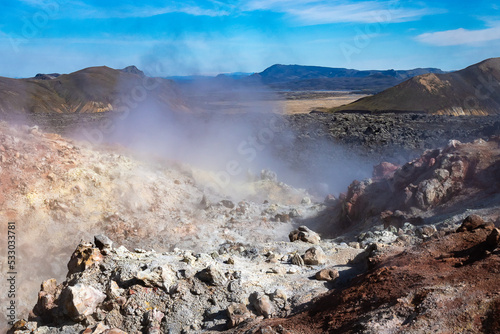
(460,36)
(312,12)
(151,11)
(304,12)
(274,4)
(131,9)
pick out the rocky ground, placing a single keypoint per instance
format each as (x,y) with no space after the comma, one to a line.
(185,291)
(388,136)
(60,192)
(447,284)
(395,137)
(186,258)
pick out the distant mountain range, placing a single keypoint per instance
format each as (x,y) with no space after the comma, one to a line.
(298,77)
(474,90)
(187,78)
(471,91)
(94,89)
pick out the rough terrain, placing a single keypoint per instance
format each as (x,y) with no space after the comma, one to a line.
(389,136)
(59,192)
(448,284)
(180,248)
(185,291)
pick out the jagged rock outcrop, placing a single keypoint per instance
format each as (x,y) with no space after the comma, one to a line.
(440,181)
(114,290)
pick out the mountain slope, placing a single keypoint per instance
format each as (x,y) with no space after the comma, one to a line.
(94,89)
(474,90)
(297,77)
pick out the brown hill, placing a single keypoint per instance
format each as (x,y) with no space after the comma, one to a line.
(474,90)
(94,89)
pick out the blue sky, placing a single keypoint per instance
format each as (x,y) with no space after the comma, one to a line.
(211,36)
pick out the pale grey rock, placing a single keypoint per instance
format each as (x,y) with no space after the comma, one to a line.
(314,256)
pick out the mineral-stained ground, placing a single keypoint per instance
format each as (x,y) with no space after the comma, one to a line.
(411,249)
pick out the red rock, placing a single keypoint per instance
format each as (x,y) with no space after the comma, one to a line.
(81,301)
(384,170)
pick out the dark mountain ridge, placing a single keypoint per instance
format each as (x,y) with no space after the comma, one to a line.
(298,77)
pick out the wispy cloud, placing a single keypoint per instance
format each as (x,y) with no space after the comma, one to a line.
(132,9)
(35,2)
(312,12)
(460,36)
(303,12)
(146,11)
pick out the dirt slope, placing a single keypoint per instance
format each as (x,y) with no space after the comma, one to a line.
(91,90)
(474,90)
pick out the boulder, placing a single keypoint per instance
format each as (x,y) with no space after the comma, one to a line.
(297,260)
(80,301)
(83,257)
(103,242)
(263,306)
(228,204)
(425,231)
(163,277)
(212,275)
(471,223)
(493,240)
(49,286)
(441,174)
(114,291)
(314,256)
(47,302)
(327,275)
(238,313)
(303,233)
(384,170)
(430,192)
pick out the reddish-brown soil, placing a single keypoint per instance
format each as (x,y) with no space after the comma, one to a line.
(450,284)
